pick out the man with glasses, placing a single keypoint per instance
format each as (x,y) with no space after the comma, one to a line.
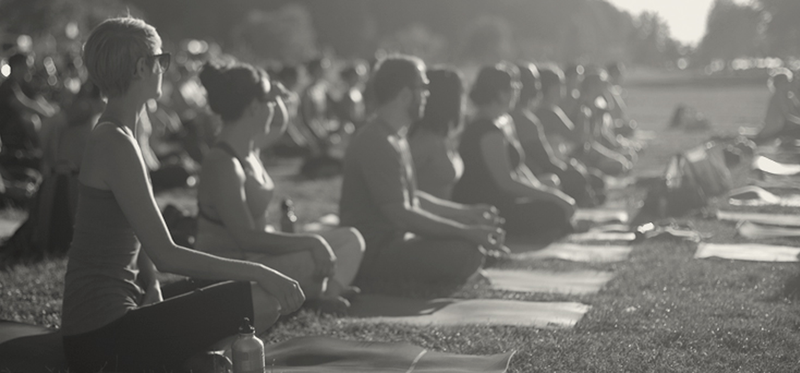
(409,234)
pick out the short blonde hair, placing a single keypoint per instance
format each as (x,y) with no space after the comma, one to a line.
(112,50)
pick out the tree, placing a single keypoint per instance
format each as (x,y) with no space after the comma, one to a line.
(732,31)
(286,35)
(781,27)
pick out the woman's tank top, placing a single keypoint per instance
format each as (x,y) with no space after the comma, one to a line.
(477,185)
(212,235)
(100,283)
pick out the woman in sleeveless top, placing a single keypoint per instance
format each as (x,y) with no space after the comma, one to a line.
(495,170)
(432,139)
(114,317)
(235,191)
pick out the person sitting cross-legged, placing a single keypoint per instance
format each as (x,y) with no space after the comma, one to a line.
(409,234)
(494,163)
(114,315)
(235,191)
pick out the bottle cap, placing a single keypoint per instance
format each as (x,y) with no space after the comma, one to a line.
(246,327)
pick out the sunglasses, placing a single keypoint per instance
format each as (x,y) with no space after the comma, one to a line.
(163,60)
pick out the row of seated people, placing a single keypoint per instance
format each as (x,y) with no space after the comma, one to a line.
(392,230)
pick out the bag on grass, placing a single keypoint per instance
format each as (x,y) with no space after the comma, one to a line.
(690,179)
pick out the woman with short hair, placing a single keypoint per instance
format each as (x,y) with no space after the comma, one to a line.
(114,318)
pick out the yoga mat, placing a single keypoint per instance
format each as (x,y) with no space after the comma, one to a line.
(601,236)
(324,223)
(30,348)
(449,312)
(537,281)
(320,354)
(8,227)
(601,215)
(756,196)
(32,351)
(748,251)
(770,166)
(758,217)
(615,183)
(577,253)
(752,230)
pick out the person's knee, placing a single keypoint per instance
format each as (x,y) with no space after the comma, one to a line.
(266,309)
(464,257)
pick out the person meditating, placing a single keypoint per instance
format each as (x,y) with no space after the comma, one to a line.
(432,139)
(495,171)
(410,235)
(235,191)
(573,145)
(780,119)
(113,316)
(570,175)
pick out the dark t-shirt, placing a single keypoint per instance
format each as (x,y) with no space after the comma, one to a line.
(378,170)
(477,185)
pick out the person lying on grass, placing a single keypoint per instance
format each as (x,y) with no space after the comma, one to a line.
(495,172)
(780,119)
(409,234)
(114,317)
(235,191)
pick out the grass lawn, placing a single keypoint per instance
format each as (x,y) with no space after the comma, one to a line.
(663,311)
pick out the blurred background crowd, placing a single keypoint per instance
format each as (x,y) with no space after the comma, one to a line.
(322,53)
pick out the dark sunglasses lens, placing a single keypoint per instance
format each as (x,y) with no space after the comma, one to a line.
(164,61)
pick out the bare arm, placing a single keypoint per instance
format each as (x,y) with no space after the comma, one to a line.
(121,168)
(481,214)
(519,183)
(415,219)
(39,105)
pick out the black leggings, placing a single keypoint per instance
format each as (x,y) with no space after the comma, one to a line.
(536,220)
(421,260)
(161,336)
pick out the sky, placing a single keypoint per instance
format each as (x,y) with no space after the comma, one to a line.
(686,18)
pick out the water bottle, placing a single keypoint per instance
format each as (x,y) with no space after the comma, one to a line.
(288,218)
(247,350)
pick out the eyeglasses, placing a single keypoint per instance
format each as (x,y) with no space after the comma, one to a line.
(163,60)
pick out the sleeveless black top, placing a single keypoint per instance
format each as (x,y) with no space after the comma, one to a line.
(477,184)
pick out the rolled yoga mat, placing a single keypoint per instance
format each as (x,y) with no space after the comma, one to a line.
(761,218)
(601,236)
(752,195)
(320,354)
(30,348)
(749,229)
(449,312)
(748,252)
(764,164)
(601,216)
(537,281)
(574,252)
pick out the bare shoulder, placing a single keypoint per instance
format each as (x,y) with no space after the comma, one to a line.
(218,164)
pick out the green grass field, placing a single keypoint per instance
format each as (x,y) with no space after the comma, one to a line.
(663,312)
